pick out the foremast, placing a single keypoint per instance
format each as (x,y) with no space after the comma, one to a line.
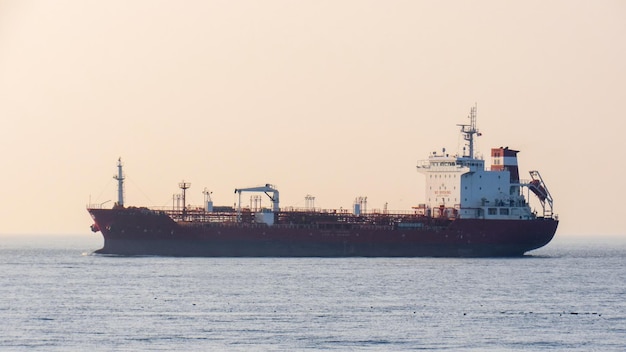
(120,184)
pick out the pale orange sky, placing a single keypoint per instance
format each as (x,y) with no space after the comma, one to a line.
(337,99)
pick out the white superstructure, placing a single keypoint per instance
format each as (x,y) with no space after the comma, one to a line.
(461,187)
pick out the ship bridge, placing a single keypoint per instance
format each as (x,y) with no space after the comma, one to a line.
(460,186)
(443,176)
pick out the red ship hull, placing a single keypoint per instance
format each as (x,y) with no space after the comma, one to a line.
(139,231)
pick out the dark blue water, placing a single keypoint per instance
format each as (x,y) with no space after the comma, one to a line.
(57,296)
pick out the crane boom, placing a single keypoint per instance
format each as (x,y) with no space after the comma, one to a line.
(267,189)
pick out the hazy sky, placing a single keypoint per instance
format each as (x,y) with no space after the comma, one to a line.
(337,99)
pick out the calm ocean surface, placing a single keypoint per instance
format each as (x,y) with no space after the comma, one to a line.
(57,296)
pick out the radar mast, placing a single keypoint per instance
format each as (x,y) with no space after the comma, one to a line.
(469,131)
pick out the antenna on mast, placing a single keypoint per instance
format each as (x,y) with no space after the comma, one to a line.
(469,131)
(120,184)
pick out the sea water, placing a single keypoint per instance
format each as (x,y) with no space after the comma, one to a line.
(56,295)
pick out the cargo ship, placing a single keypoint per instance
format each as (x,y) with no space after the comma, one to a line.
(468,211)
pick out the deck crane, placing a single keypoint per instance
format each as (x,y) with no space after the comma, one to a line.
(267,189)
